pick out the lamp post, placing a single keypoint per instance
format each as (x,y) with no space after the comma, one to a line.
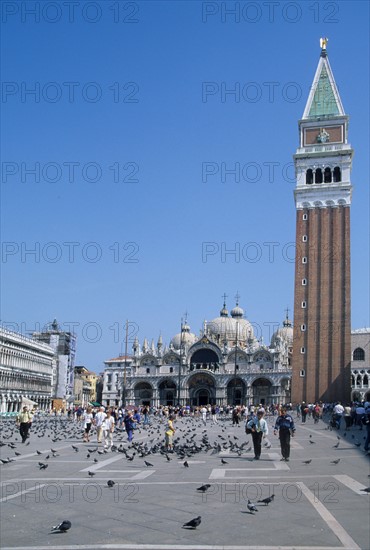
(235,363)
(124,370)
(179,379)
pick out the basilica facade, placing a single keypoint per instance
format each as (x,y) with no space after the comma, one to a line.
(225,364)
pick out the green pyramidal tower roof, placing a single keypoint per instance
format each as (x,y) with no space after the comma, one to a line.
(324,100)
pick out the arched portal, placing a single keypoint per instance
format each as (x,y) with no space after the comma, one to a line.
(236,392)
(261,391)
(167,392)
(143,393)
(202,390)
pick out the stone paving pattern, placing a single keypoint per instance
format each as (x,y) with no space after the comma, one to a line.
(319,505)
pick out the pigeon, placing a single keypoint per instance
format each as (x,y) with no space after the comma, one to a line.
(17,454)
(335,461)
(357,444)
(203,488)
(91,474)
(43,466)
(224,461)
(307,461)
(251,507)
(193,523)
(367,490)
(186,464)
(39,452)
(63,527)
(312,442)
(336,445)
(96,460)
(110,483)
(75,448)
(266,501)
(147,464)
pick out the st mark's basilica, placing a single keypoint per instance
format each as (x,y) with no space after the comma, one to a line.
(225,364)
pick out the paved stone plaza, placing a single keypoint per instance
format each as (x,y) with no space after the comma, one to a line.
(319,505)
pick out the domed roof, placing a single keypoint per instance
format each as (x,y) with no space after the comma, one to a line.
(283,333)
(237,312)
(185,337)
(231,328)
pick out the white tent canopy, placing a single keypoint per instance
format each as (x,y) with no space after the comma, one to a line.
(28,402)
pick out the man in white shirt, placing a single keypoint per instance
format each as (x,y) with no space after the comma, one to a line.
(98,422)
(203,412)
(338,413)
(108,429)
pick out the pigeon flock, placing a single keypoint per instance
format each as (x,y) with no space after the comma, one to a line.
(189,442)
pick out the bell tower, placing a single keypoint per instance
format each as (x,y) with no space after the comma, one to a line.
(322,301)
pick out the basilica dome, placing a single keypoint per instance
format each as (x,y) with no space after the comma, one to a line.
(185,337)
(284,333)
(230,329)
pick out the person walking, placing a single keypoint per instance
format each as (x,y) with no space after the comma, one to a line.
(24,419)
(129,422)
(203,412)
(304,411)
(169,433)
(366,423)
(259,428)
(108,429)
(88,418)
(285,426)
(214,414)
(98,422)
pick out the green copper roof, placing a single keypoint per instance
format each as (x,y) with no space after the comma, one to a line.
(324,101)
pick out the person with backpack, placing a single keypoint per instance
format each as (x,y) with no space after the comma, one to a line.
(129,422)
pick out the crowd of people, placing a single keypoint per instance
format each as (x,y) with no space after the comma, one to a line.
(104,421)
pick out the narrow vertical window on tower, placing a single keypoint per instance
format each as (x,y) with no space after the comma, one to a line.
(304,238)
(309,176)
(336,175)
(304,260)
(304,217)
(318,175)
(304,282)
(327,175)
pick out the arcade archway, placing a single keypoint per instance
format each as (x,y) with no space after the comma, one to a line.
(202,390)
(167,392)
(143,393)
(236,392)
(261,391)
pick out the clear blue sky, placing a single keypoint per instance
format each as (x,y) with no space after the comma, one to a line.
(137,92)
